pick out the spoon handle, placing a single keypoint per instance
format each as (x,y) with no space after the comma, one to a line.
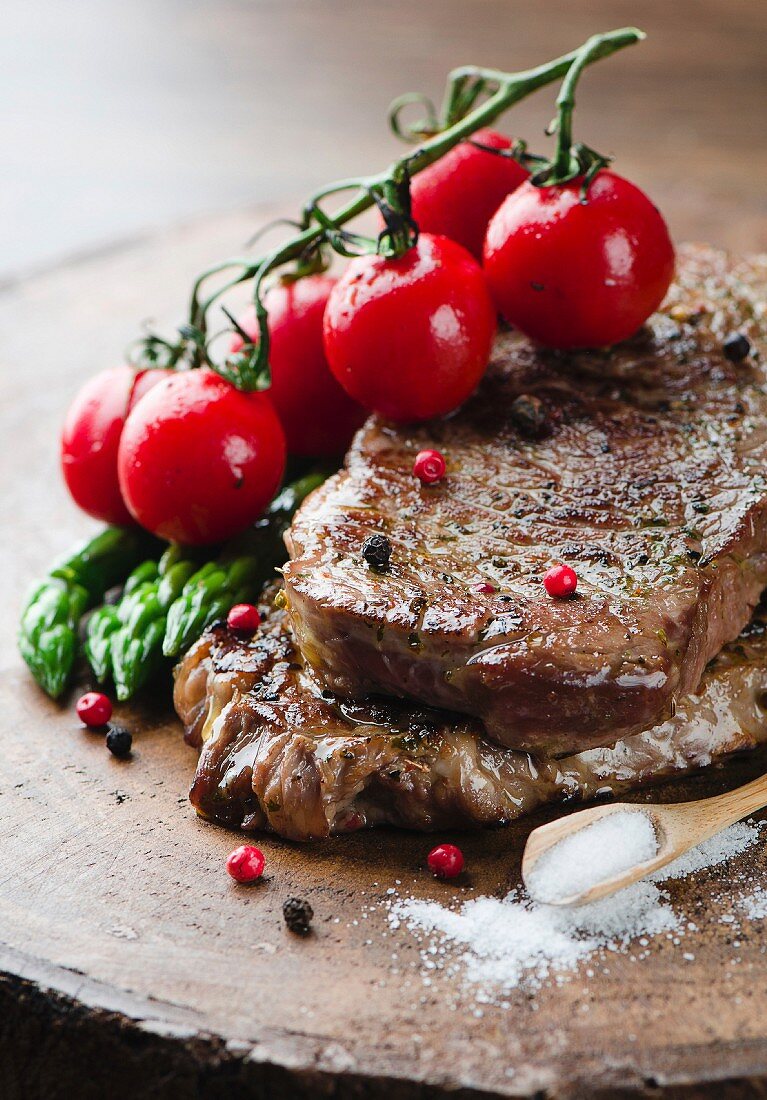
(708,816)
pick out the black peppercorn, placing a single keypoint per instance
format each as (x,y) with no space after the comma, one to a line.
(736,347)
(376,551)
(298,915)
(119,741)
(528,416)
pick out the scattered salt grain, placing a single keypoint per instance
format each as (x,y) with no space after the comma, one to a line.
(755,904)
(717,849)
(598,852)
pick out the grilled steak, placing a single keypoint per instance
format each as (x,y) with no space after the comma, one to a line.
(643,467)
(280,753)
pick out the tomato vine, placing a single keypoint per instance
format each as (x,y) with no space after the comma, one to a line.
(474,98)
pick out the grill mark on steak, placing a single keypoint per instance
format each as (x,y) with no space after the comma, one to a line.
(669,520)
(279,752)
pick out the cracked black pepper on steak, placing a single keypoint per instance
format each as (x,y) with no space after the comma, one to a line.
(376,550)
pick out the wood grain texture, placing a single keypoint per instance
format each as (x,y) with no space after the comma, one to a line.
(134,966)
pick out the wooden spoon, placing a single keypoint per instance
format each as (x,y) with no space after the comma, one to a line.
(678,827)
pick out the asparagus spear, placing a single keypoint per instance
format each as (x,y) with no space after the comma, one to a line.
(105,622)
(48,630)
(238,574)
(101,626)
(136,645)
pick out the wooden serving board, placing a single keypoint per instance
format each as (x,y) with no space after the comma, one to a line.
(132,965)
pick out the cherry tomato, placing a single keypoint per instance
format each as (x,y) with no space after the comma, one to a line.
(199,460)
(319,418)
(572,274)
(410,338)
(458,195)
(91,436)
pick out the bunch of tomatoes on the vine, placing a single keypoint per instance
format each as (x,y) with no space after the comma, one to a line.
(574,256)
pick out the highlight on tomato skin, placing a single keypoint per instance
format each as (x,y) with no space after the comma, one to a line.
(198,459)
(90,439)
(318,416)
(575,274)
(409,338)
(457,195)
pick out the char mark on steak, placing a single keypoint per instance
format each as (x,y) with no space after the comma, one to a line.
(649,480)
(279,752)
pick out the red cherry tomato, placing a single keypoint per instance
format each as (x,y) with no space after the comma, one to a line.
(90,438)
(319,418)
(410,338)
(572,274)
(199,460)
(458,195)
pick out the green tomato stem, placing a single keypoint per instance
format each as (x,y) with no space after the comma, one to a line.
(565,166)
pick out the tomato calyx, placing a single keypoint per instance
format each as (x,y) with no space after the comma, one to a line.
(391,196)
(583,164)
(247,362)
(395,207)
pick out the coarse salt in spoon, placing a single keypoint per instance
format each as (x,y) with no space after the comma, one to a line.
(595,852)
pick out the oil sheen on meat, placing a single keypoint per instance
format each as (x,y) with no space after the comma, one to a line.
(280,752)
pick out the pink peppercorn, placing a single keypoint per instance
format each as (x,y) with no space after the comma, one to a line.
(94,709)
(560,581)
(483,588)
(243,618)
(445,861)
(246,863)
(429,467)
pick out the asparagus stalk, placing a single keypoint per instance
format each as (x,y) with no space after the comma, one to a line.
(48,638)
(136,645)
(106,620)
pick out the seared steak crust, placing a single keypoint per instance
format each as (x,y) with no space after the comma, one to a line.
(279,752)
(643,467)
